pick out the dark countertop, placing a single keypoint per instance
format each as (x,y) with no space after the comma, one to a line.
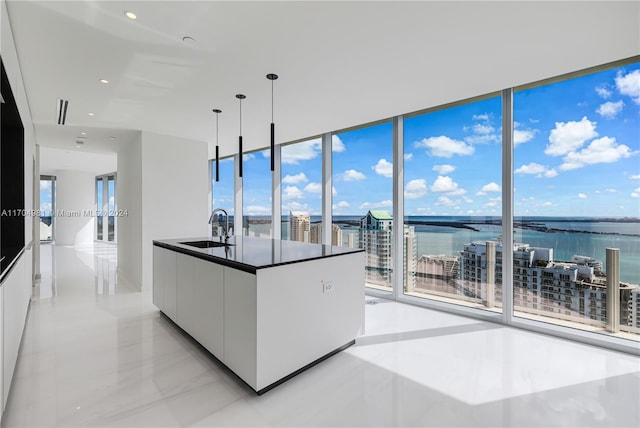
(250,254)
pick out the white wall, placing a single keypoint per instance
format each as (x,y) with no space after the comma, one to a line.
(129,198)
(163,183)
(15,291)
(75,201)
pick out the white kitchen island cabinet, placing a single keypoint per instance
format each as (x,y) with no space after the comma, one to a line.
(267,309)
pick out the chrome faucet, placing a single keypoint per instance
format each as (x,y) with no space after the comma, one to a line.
(226,223)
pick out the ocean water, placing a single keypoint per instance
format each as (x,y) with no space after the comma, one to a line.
(580,236)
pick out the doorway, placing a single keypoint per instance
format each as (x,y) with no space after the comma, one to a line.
(106,208)
(47,207)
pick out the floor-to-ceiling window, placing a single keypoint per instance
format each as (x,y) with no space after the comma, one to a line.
(574,184)
(256,194)
(452,204)
(106,208)
(301,188)
(362,163)
(222,194)
(577,190)
(47,207)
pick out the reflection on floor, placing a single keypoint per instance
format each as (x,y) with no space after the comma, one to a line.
(96,353)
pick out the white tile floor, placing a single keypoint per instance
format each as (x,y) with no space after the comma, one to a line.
(95,353)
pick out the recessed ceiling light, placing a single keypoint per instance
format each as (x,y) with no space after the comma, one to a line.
(130,15)
(91,114)
(113,138)
(83,133)
(104,81)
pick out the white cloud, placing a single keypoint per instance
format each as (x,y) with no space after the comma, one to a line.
(337,145)
(424,211)
(292,192)
(444,169)
(601,150)
(610,190)
(341,204)
(353,175)
(445,184)
(294,206)
(292,154)
(313,188)
(582,195)
(482,139)
(483,131)
(491,187)
(483,128)
(295,179)
(444,146)
(415,189)
(531,168)
(257,210)
(483,116)
(382,204)
(636,193)
(493,202)
(334,192)
(546,204)
(537,170)
(635,177)
(444,201)
(610,110)
(408,156)
(569,136)
(45,184)
(629,85)
(523,136)
(383,168)
(603,92)
(248,156)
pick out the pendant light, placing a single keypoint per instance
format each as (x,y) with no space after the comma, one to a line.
(217,111)
(272,77)
(240,97)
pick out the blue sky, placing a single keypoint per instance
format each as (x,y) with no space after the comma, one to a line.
(579,146)
(577,154)
(45,197)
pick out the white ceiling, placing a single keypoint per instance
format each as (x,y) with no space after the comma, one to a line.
(340,63)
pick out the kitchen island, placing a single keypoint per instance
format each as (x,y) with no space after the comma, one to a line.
(266,308)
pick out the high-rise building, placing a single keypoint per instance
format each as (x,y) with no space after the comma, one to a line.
(573,291)
(316,234)
(436,274)
(299,222)
(634,308)
(410,256)
(376,238)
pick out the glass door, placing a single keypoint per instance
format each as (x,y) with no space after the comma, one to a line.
(47,207)
(106,208)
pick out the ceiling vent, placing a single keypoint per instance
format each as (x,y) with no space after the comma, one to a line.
(62,111)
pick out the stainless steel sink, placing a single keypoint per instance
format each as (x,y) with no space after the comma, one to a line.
(205,244)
